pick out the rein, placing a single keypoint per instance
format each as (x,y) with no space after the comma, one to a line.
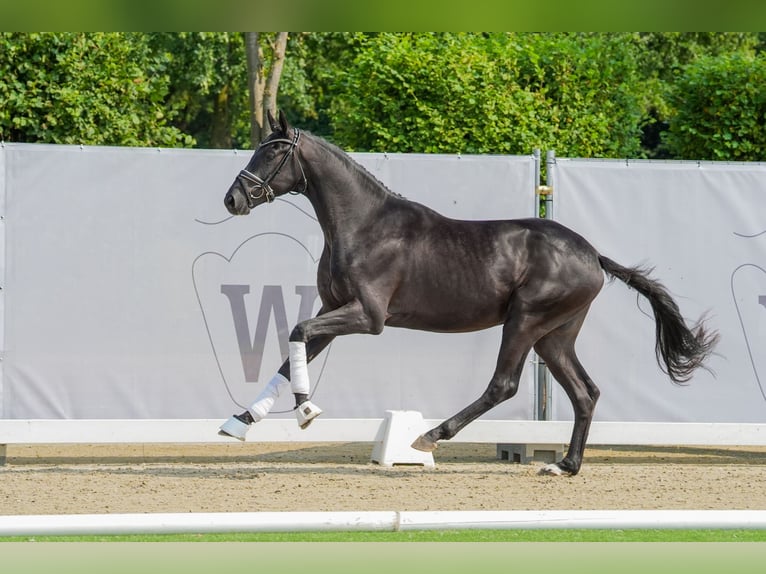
(256,188)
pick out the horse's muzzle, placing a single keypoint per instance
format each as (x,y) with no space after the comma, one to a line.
(236,200)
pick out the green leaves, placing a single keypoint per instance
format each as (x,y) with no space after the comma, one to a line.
(491,93)
(676,95)
(97,89)
(720,109)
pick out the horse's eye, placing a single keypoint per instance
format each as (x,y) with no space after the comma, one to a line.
(269,152)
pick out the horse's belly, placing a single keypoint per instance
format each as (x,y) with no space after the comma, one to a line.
(438,325)
(454,317)
(448,297)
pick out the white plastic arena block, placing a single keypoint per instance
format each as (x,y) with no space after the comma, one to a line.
(400,429)
(526,453)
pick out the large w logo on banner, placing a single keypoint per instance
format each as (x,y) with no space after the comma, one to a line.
(250,301)
(272,305)
(748,287)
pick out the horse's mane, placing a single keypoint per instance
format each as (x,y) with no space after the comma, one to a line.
(349,162)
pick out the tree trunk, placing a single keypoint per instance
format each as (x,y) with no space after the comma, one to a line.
(275,73)
(256,83)
(220,130)
(263,90)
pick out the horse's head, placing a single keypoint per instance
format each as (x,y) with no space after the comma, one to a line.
(273,170)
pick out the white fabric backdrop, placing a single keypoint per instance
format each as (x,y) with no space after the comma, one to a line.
(703,228)
(126,280)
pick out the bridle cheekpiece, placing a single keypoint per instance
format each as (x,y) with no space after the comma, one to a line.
(256,188)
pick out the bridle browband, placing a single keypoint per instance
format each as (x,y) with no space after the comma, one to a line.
(256,188)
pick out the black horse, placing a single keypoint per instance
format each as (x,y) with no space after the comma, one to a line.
(390,261)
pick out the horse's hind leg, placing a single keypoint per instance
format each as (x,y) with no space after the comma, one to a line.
(517,341)
(558,352)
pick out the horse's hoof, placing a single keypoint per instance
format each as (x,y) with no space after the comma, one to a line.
(423,444)
(234,427)
(551,470)
(306,413)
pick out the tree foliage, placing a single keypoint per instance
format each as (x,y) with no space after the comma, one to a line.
(85,88)
(210,80)
(685,95)
(314,74)
(497,93)
(719,109)
(207,75)
(663,57)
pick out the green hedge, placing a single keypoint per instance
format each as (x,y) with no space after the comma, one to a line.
(498,93)
(98,89)
(720,110)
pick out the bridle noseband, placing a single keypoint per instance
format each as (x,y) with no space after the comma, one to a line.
(256,188)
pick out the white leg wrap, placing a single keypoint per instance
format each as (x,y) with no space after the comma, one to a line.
(299,372)
(265,401)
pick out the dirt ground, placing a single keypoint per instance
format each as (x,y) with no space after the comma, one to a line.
(47,479)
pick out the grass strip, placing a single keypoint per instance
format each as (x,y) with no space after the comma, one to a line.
(543,535)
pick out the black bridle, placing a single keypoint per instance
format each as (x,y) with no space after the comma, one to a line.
(255,187)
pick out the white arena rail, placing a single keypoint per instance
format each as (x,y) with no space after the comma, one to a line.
(204,431)
(379,521)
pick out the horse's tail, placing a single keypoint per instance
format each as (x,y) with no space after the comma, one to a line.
(680,349)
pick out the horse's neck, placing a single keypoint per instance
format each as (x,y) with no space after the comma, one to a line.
(344,197)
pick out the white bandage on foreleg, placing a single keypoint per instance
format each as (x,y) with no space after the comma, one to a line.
(299,372)
(265,401)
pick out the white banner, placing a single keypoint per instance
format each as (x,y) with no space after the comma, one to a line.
(703,228)
(131,293)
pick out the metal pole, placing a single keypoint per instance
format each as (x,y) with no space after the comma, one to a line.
(550,164)
(544,386)
(537,362)
(536,155)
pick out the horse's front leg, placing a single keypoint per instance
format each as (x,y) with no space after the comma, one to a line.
(350,318)
(238,425)
(306,341)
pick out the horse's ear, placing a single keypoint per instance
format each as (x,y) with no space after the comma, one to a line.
(283,122)
(272,122)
